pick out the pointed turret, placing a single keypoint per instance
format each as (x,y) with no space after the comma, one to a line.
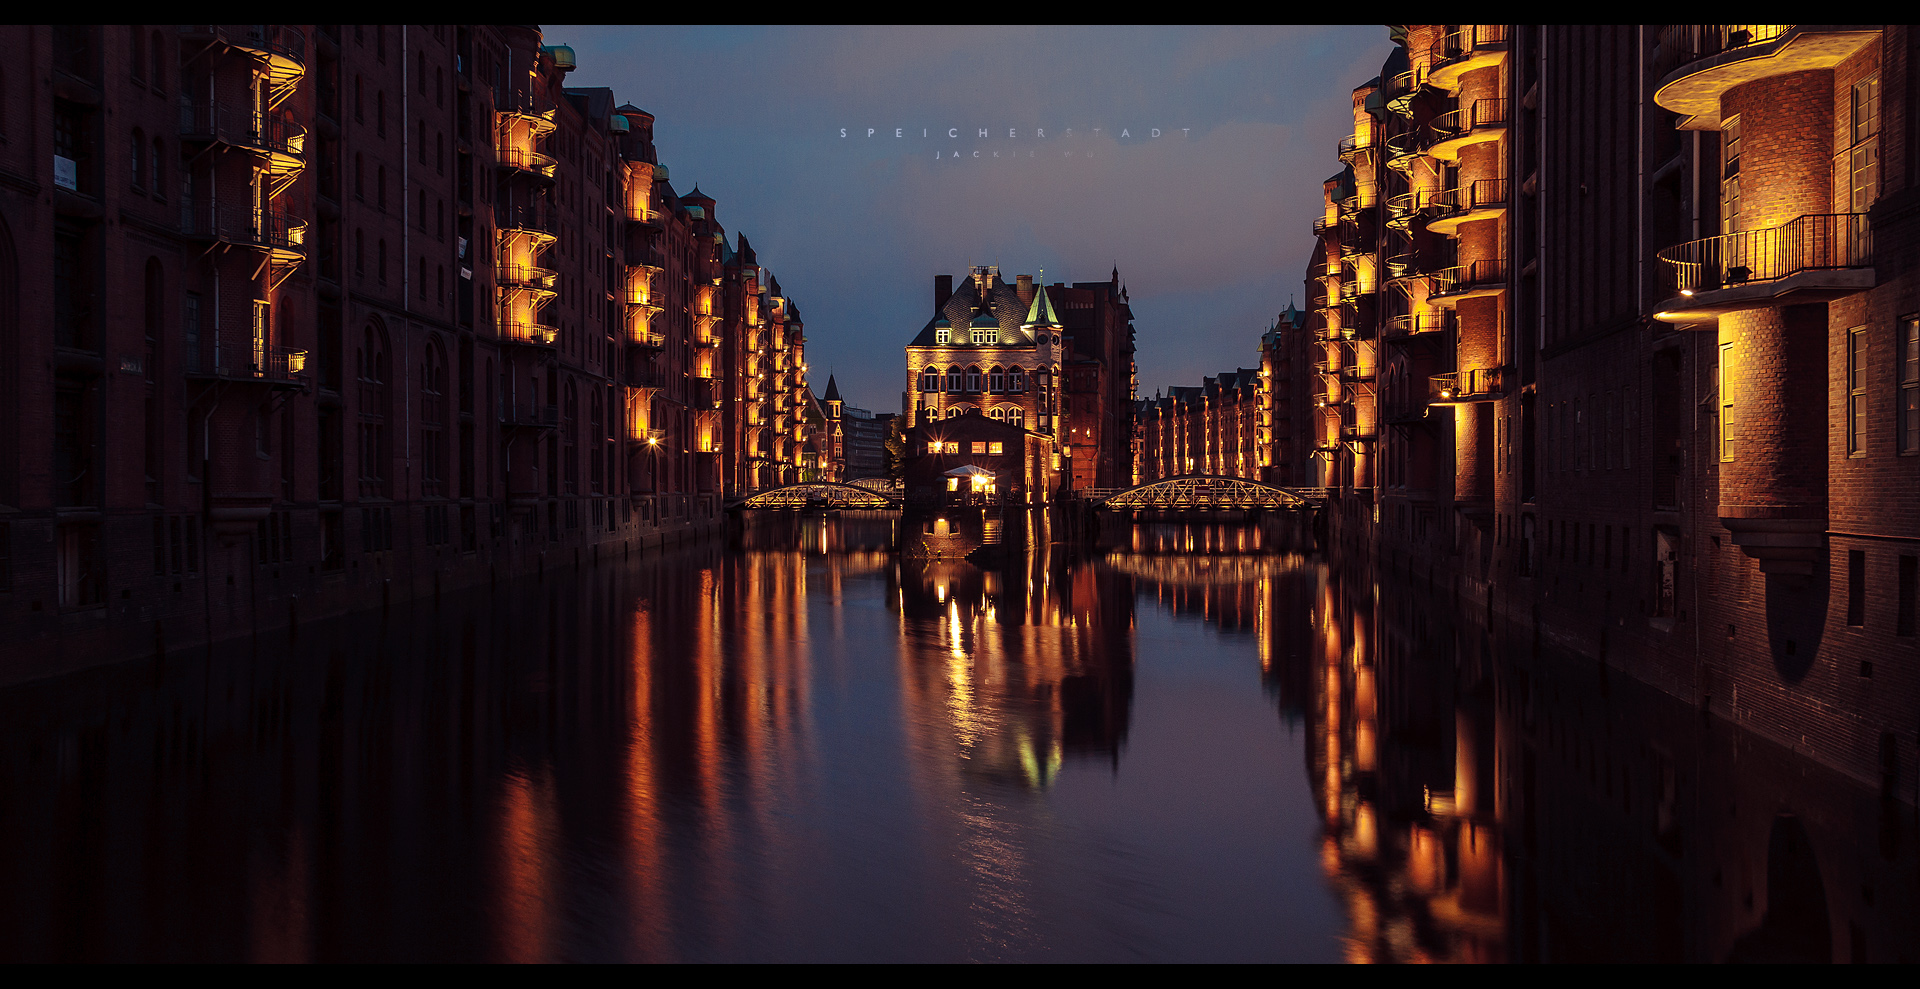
(1041,312)
(833,390)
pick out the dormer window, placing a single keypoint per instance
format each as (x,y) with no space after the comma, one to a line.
(985,336)
(943,336)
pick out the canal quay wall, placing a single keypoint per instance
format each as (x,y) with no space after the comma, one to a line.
(235,594)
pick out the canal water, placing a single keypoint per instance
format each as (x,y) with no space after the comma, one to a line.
(1185,743)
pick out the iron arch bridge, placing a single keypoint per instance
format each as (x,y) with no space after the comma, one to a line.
(814,494)
(1206,493)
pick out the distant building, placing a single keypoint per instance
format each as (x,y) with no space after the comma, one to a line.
(1054,360)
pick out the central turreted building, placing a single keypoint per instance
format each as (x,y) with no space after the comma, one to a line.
(1054,360)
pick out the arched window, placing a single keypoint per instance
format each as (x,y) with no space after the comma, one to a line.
(359,251)
(996,379)
(137,57)
(954,379)
(380,186)
(139,159)
(999,414)
(930,379)
(955,411)
(973,378)
(159,170)
(1016,416)
(1016,379)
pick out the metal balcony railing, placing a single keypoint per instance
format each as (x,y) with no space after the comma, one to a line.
(1351,147)
(243,360)
(1465,386)
(1401,327)
(528,332)
(526,160)
(1467,277)
(270,228)
(523,218)
(228,123)
(1402,149)
(1320,225)
(1683,44)
(1482,194)
(526,276)
(1485,114)
(1461,44)
(282,40)
(1817,241)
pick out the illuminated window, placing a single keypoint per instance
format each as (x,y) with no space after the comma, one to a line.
(1017,417)
(953,446)
(953,484)
(985,336)
(996,448)
(943,336)
(930,379)
(979,447)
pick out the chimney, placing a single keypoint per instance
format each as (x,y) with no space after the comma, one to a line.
(942,291)
(1026,290)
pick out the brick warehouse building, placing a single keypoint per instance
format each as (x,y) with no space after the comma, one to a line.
(1056,360)
(1619,335)
(373,310)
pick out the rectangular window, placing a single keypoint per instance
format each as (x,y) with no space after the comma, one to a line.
(1730,175)
(996,448)
(1723,386)
(1863,157)
(1909,590)
(1857,391)
(1909,378)
(979,447)
(1856,587)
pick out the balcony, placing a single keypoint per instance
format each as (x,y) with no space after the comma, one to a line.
(1352,149)
(1320,225)
(276,136)
(1477,47)
(1485,199)
(526,160)
(1403,150)
(525,221)
(1404,208)
(1813,258)
(526,107)
(281,48)
(1402,89)
(1714,58)
(246,360)
(1467,281)
(531,333)
(1485,120)
(1466,387)
(1406,327)
(527,276)
(514,416)
(271,229)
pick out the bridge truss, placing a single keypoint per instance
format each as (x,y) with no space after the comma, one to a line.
(816,494)
(1203,492)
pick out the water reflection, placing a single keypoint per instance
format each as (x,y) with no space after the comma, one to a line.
(1187,742)
(1489,798)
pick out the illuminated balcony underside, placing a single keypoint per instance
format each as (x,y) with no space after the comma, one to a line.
(1448,148)
(1446,75)
(541,122)
(1449,225)
(1706,308)
(1694,89)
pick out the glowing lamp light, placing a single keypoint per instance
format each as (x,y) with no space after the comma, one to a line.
(1687,292)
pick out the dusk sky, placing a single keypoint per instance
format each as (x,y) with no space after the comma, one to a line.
(1208,222)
